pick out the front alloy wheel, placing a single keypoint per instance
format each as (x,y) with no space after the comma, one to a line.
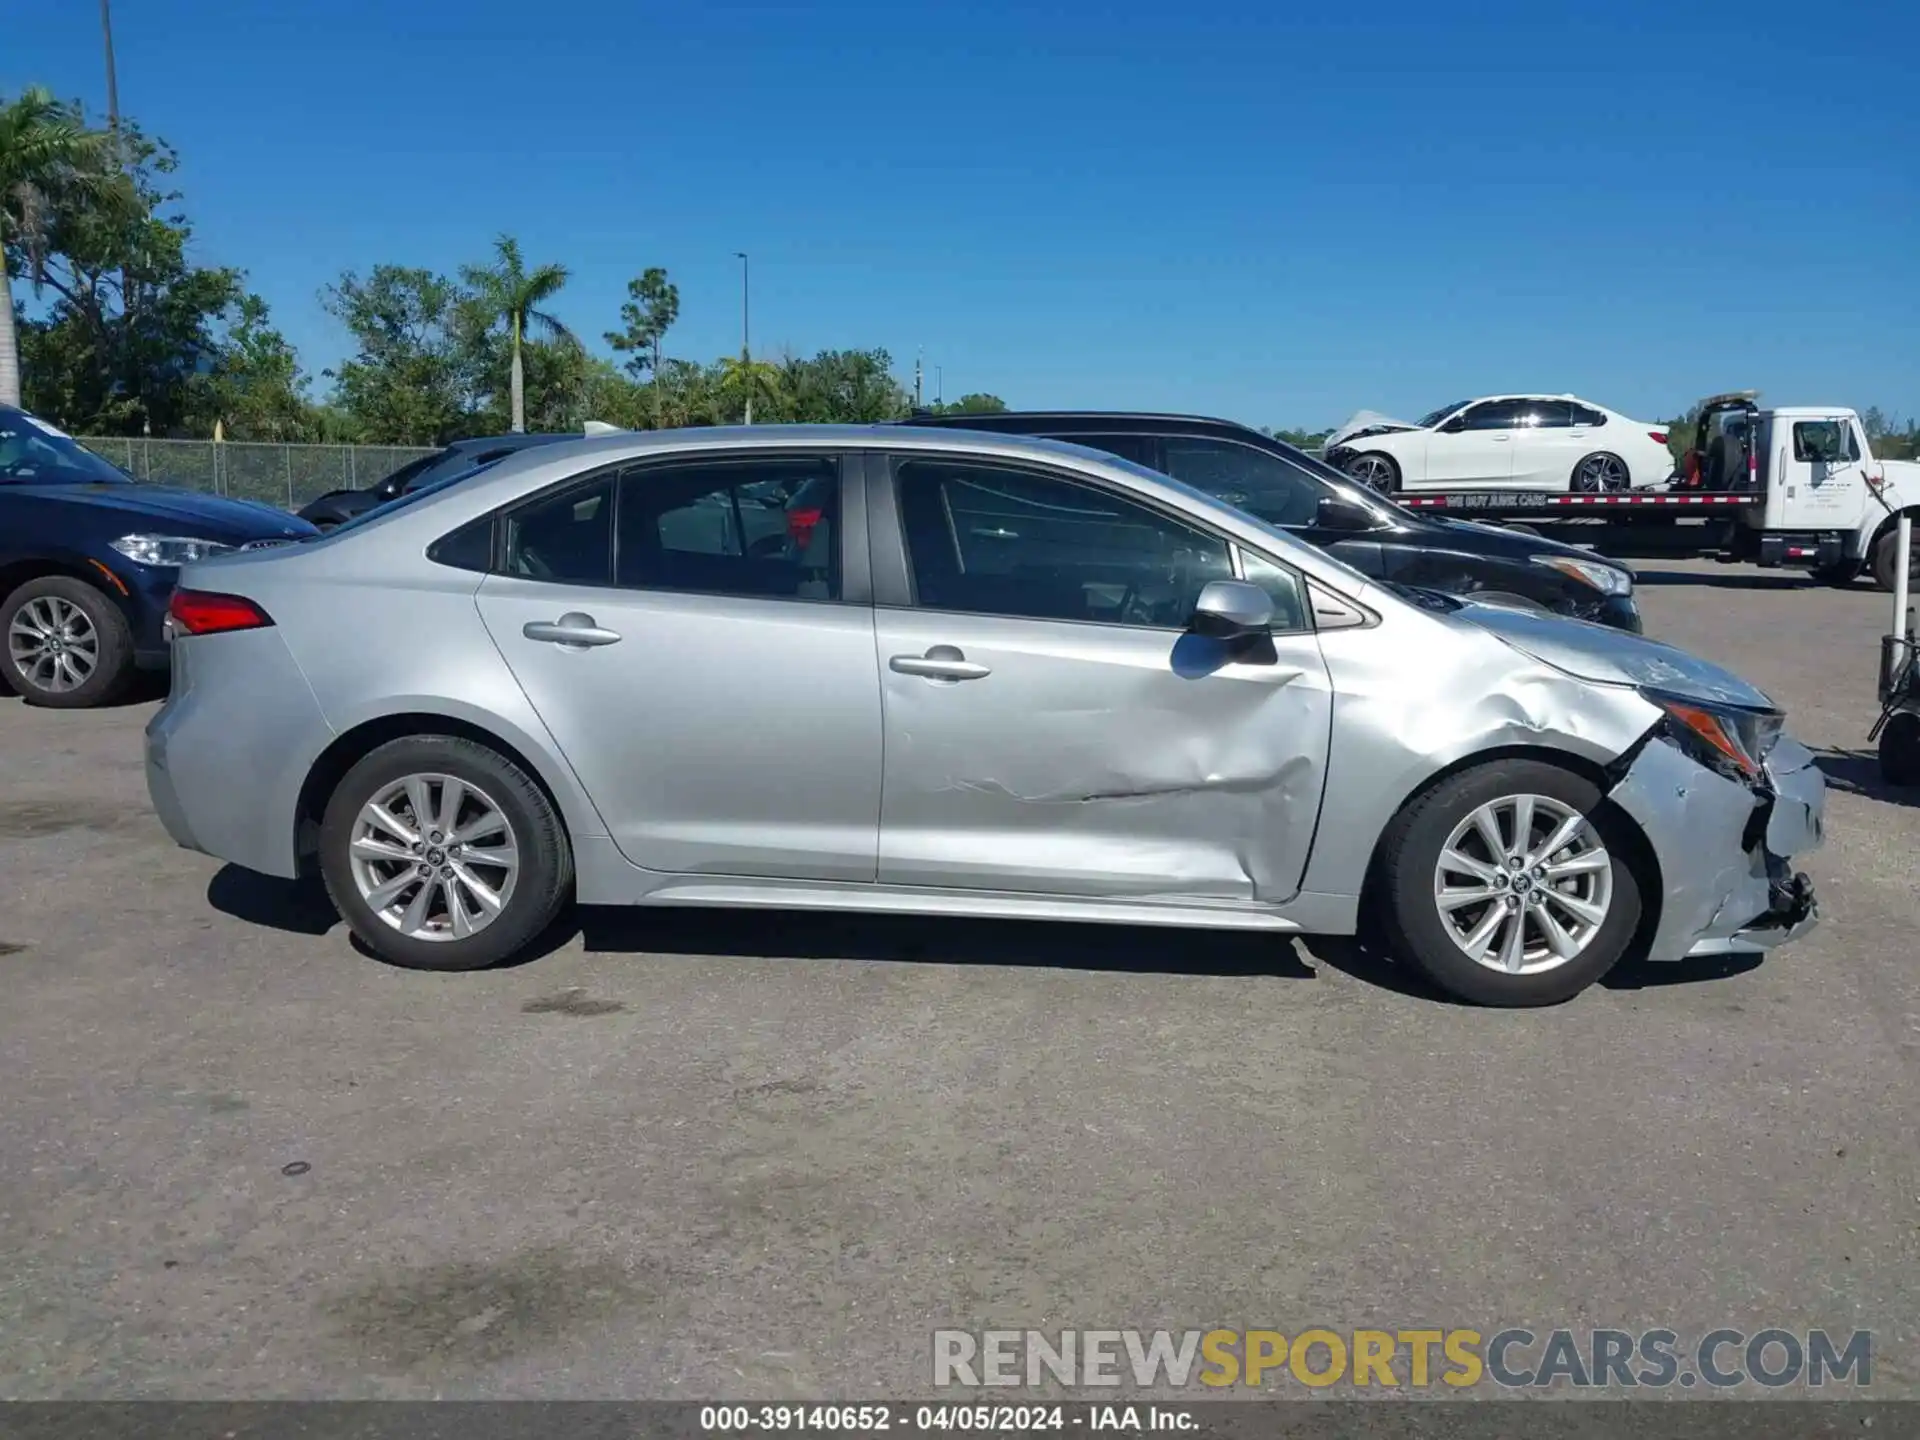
(1376,472)
(1523,884)
(53,644)
(1508,884)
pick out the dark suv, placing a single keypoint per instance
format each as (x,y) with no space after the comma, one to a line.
(1289,488)
(336,507)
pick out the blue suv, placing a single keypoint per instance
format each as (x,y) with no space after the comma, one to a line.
(88,558)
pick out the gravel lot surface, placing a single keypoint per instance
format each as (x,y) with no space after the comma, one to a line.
(700,1156)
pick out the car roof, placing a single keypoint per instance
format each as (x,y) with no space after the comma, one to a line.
(1113,421)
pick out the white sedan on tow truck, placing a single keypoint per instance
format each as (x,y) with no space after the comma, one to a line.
(1504,442)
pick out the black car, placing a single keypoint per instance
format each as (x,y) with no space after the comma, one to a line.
(338,506)
(1289,488)
(88,558)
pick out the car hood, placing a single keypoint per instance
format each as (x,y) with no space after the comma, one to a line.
(185,512)
(1367,422)
(1613,657)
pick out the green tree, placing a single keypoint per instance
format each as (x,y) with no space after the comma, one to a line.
(47,157)
(408,381)
(975,404)
(743,383)
(842,386)
(1302,439)
(653,304)
(132,322)
(507,292)
(254,387)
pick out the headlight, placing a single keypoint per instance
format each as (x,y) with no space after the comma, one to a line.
(167,550)
(1607,579)
(1727,739)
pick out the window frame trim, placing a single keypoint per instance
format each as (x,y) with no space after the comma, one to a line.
(894,587)
(856,586)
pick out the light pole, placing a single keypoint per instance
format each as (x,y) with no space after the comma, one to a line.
(113,86)
(746,347)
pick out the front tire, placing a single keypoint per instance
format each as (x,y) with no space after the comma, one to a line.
(1886,556)
(1600,473)
(442,854)
(1507,885)
(1379,473)
(67,645)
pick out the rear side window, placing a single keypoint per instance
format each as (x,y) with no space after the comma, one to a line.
(1587,415)
(565,539)
(1544,415)
(1137,448)
(763,528)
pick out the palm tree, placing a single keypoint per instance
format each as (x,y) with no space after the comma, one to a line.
(509,291)
(44,151)
(744,381)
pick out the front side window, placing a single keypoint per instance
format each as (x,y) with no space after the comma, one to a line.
(1263,485)
(1492,415)
(565,538)
(764,528)
(1826,442)
(1282,585)
(995,540)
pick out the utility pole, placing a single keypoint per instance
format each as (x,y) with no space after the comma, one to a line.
(746,348)
(113,85)
(939,386)
(918,357)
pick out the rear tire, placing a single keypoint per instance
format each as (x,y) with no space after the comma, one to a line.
(64,644)
(1379,473)
(1436,940)
(1885,555)
(1601,473)
(379,853)
(1900,749)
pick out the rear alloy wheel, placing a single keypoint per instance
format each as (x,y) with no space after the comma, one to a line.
(1599,474)
(1377,472)
(67,645)
(1502,888)
(443,855)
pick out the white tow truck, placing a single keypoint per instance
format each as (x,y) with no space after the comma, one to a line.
(1790,485)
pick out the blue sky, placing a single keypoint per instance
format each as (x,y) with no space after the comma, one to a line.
(1220,207)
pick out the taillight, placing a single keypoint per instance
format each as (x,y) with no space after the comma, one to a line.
(800,525)
(201,612)
(1659,436)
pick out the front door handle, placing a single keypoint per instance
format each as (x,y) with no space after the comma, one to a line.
(572,629)
(941,662)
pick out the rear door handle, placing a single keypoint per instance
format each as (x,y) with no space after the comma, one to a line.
(573,628)
(942,662)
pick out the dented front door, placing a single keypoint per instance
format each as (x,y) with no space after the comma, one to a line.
(1077,759)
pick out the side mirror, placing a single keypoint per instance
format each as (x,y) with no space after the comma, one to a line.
(1454,426)
(1230,609)
(1337,514)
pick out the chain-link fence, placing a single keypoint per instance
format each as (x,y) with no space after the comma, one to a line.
(287,475)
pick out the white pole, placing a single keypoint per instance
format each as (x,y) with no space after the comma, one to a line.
(1902,550)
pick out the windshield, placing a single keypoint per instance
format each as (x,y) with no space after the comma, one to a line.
(1433,418)
(408,497)
(32,452)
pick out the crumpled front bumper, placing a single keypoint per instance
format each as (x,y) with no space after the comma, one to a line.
(1726,849)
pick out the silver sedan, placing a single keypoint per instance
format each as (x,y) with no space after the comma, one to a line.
(888,669)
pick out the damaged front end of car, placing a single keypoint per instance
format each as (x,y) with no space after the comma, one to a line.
(1727,804)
